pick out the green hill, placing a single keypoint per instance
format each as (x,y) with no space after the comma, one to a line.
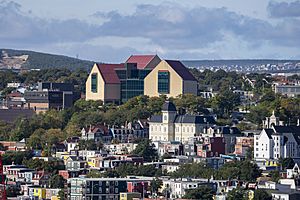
(37,60)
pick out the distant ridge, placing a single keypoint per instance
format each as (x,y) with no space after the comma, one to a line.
(38,60)
(246,65)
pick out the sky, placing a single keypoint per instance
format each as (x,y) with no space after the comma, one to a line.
(111,31)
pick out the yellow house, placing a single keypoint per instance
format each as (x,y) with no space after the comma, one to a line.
(94,162)
(103,83)
(170,78)
(40,193)
(129,195)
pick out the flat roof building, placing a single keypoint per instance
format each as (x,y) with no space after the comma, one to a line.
(51,96)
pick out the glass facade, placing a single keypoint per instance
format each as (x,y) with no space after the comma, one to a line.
(132,81)
(163,82)
(94,86)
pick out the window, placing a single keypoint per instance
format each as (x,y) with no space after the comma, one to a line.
(163,82)
(94,83)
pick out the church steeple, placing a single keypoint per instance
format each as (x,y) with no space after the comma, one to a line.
(271,121)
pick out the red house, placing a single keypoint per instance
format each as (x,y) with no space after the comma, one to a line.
(137,186)
(210,147)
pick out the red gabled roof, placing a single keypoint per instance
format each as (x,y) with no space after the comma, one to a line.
(141,60)
(108,72)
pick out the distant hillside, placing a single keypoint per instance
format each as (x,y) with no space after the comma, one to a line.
(21,59)
(246,65)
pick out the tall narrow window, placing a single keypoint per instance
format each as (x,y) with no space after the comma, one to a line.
(94,83)
(163,82)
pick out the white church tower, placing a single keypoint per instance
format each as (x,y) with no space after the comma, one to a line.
(269,122)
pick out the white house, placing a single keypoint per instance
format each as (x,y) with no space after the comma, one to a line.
(293,172)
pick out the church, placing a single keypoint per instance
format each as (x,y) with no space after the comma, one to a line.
(170,126)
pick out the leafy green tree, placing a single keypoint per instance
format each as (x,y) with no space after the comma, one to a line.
(193,170)
(90,145)
(16,157)
(35,164)
(249,153)
(241,170)
(146,150)
(57,181)
(286,163)
(155,185)
(261,194)
(201,193)
(37,139)
(225,102)
(275,176)
(190,103)
(61,195)
(237,194)
(95,174)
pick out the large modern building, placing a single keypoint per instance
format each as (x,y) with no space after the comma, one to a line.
(170,78)
(171,126)
(116,83)
(51,96)
(140,74)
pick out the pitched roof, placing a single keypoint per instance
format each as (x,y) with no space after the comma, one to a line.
(141,60)
(156,118)
(168,106)
(108,72)
(195,119)
(181,70)
(269,132)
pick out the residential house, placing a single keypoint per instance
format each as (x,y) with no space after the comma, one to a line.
(210,146)
(243,145)
(75,163)
(72,143)
(293,172)
(97,133)
(131,132)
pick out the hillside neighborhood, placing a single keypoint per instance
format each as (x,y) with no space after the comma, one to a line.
(149,128)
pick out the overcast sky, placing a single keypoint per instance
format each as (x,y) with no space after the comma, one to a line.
(111,30)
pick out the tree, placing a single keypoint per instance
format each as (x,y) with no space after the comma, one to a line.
(193,170)
(16,157)
(261,194)
(275,176)
(61,194)
(241,170)
(286,163)
(249,153)
(201,193)
(36,140)
(146,150)
(155,184)
(57,181)
(95,174)
(236,194)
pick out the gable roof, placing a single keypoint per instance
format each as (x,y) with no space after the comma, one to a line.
(269,132)
(181,70)
(142,61)
(195,119)
(108,72)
